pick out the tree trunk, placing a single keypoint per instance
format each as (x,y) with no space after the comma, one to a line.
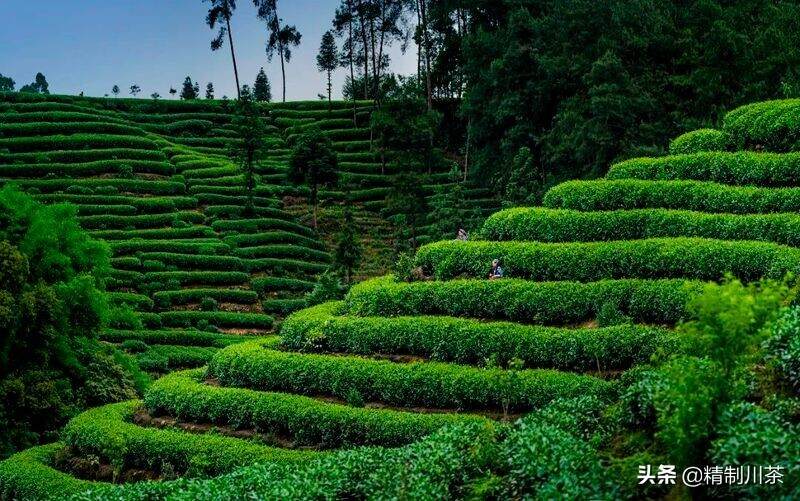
(426,41)
(419,47)
(360,10)
(283,71)
(330,103)
(352,72)
(277,29)
(375,83)
(461,78)
(380,52)
(466,148)
(233,57)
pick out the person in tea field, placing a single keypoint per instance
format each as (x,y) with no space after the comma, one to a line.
(462,235)
(496,271)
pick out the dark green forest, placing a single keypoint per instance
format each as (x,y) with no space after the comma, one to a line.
(582,84)
(559,259)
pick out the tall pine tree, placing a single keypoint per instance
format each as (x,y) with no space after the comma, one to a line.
(250,127)
(189,89)
(313,162)
(327,59)
(262,91)
(220,14)
(281,37)
(348,247)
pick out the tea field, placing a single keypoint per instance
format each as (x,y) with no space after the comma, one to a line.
(431,382)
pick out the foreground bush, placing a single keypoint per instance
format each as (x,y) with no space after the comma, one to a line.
(429,384)
(307,420)
(52,307)
(697,258)
(549,303)
(749,434)
(216,318)
(106,433)
(737,168)
(686,195)
(29,475)
(698,141)
(544,456)
(465,341)
(771,125)
(548,225)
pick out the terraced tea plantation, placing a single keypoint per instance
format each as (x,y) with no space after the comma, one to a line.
(594,283)
(157,181)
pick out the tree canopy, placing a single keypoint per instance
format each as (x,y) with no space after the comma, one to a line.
(262,90)
(52,305)
(190,90)
(328,58)
(313,162)
(582,83)
(6,83)
(38,86)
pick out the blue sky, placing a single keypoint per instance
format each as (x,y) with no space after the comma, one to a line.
(90,45)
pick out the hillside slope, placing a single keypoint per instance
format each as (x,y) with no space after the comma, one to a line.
(158,182)
(594,284)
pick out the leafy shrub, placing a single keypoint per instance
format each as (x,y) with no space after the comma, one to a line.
(283,251)
(738,168)
(404,267)
(544,454)
(85,155)
(685,395)
(123,169)
(124,317)
(217,318)
(255,225)
(75,141)
(429,384)
(551,225)
(464,341)
(208,304)
(327,288)
(171,337)
(165,358)
(654,258)
(16,130)
(434,468)
(140,221)
(27,475)
(51,309)
(782,348)
(307,420)
(141,186)
(184,296)
(684,195)
(750,435)
(698,141)
(771,125)
(272,237)
(133,345)
(549,303)
(106,433)
(199,277)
